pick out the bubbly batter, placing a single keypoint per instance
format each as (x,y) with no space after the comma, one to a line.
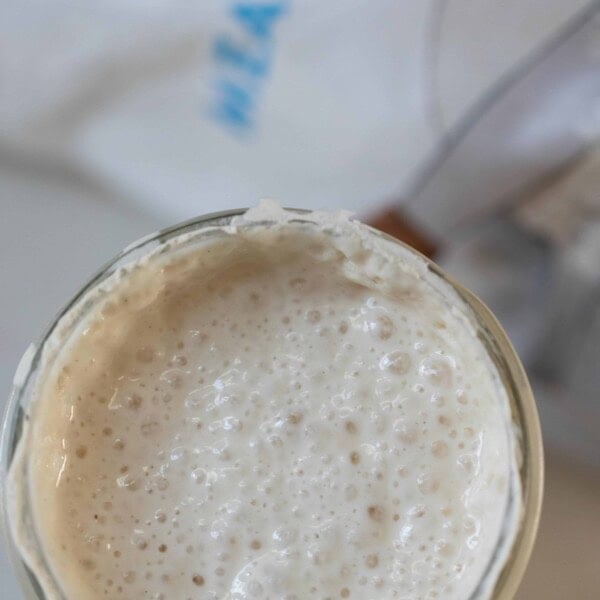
(285,411)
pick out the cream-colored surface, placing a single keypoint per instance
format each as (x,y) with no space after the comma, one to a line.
(565,564)
(327,404)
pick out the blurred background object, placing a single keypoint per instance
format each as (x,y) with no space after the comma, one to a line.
(469,129)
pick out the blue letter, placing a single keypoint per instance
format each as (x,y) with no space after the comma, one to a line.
(234,106)
(258,18)
(229,52)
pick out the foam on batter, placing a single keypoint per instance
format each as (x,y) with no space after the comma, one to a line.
(277,411)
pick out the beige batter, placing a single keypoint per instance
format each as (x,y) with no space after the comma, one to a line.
(291,411)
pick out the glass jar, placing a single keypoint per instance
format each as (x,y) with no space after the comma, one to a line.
(506,565)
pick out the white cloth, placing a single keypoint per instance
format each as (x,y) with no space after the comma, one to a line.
(342,99)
